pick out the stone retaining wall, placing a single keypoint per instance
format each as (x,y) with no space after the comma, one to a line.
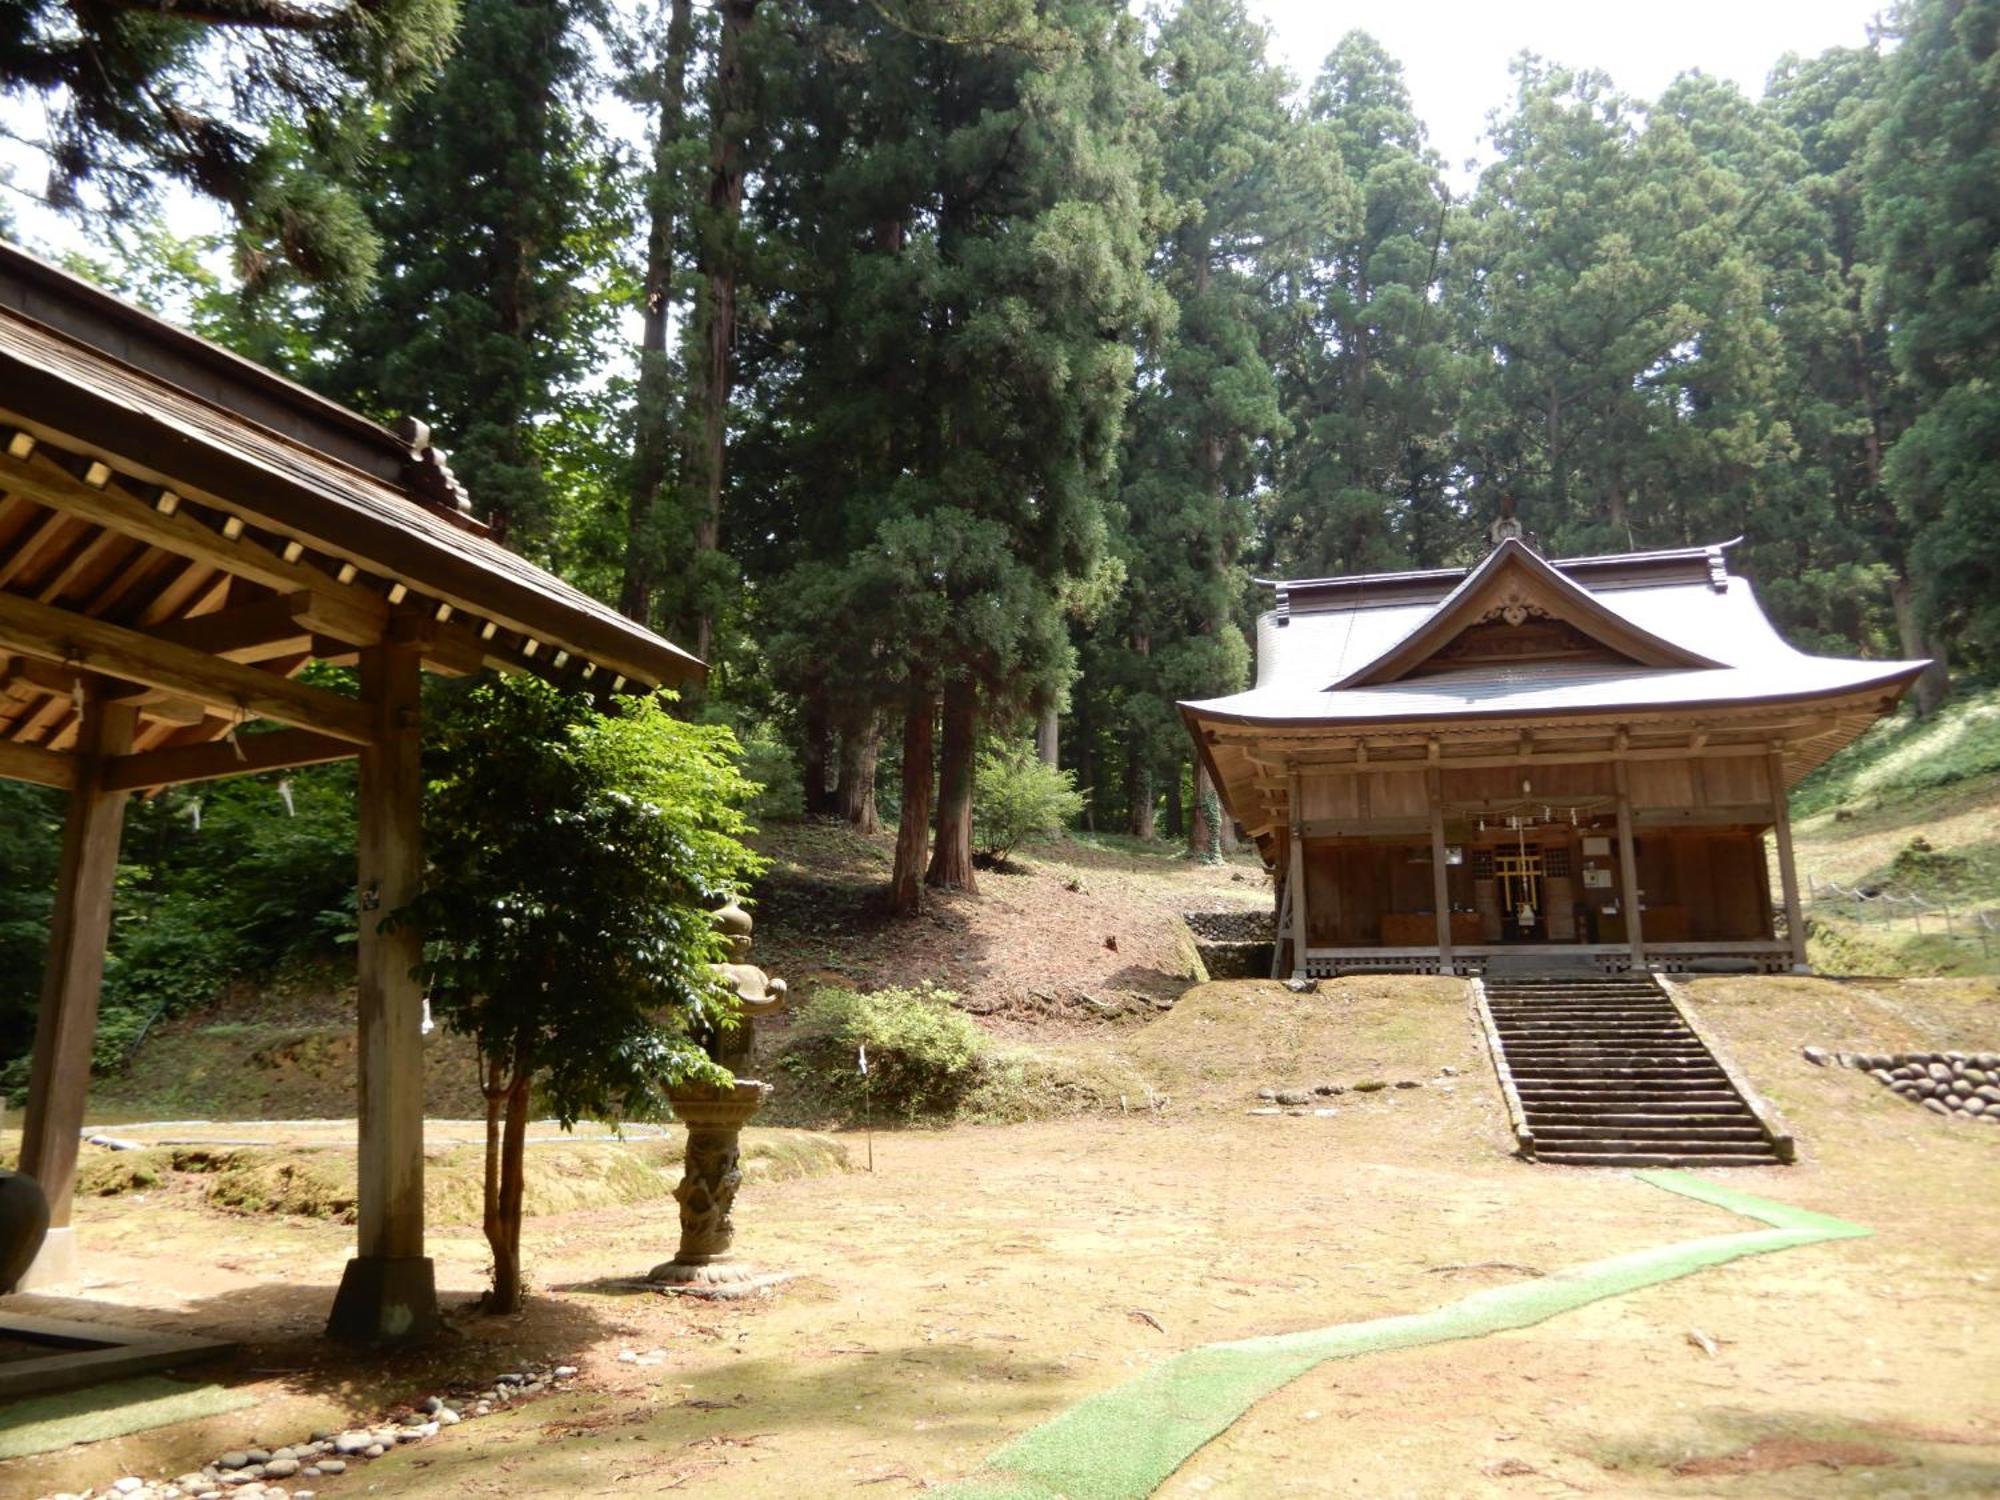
(1964,1084)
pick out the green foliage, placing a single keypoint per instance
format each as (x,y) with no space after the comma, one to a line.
(263,105)
(32,818)
(573,857)
(495,204)
(1908,753)
(1019,799)
(924,1056)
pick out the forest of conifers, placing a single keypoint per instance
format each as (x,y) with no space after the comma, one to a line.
(944,371)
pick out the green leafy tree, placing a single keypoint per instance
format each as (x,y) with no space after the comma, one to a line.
(565,914)
(1369,359)
(1019,799)
(1829,552)
(1238,187)
(956,362)
(266,106)
(500,228)
(33,820)
(1933,203)
(1628,360)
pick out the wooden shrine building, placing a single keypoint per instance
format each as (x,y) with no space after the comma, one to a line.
(181,532)
(1576,759)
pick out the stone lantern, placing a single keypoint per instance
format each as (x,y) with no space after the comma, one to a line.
(715,1118)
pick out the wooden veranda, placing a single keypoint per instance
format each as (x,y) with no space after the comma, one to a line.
(1569,762)
(181,533)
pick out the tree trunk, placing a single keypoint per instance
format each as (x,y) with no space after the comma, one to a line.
(1085,768)
(951,853)
(913,831)
(725,205)
(1203,836)
(1931,687)
(1048,737)
(816,759)
(503,1207)
(1176,808)
(860,749)
(653,442)
(1138,794)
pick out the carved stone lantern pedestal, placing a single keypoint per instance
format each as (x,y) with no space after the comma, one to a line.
(714,1118)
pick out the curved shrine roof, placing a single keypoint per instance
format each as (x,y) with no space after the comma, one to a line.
(1324,653)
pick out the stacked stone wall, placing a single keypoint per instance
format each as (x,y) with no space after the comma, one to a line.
(1965,1084)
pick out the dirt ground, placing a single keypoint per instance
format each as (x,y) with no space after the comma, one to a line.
(982,1279)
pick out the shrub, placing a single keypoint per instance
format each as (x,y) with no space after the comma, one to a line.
(1019,799)
(923,1056)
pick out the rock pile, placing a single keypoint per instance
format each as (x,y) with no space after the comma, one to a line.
(287,1473)
(1961,1084)
(1299,1101)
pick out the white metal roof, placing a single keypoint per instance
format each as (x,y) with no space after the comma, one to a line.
(1300,653)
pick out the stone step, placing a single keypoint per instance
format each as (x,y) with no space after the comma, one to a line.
(1623,1129)
(1622,1072)
(1695,1157)
(1638,1101)
(1638,1112)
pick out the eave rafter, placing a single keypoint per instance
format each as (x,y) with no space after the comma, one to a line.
(244,692)
(344,604)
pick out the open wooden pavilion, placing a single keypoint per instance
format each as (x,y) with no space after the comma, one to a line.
(181,532)
(1565,762)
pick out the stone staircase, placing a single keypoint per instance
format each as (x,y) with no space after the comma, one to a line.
(1605,1071)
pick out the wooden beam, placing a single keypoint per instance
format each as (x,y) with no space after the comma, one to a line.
(349,614)
(1440,876)
(1788,871)
(276,751)
(388,1291)
(66,1025)
(247,633)
(1301,931)
(114,651)
(1628,867)
(32,763)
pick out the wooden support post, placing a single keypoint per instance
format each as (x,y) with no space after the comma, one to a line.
(1628,867)
(389,1291)
(1788,872)
(80,925)
(1300,930)
(1440,876)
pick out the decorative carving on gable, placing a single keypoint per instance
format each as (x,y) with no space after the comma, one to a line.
(1499,640)
(1513,607)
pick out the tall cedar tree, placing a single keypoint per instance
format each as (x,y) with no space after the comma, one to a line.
(1206,405)
(1370,365)
(658,83)
(497,233)
(262,105)
(1933,201)
(975,278)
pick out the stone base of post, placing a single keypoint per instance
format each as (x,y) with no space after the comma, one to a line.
(385,1300)
(715,1119)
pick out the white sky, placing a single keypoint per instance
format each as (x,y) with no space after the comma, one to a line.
(1455,52)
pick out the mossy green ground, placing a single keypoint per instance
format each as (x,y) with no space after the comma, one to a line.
(1122,1444)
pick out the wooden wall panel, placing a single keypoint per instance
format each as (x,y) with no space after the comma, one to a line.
(1741,909)
(1328,796)
(1491,784)
(1661,783)
(1736,780)
(1557,782)
(1397,794)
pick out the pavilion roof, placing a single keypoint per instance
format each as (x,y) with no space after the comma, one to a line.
(194,529)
